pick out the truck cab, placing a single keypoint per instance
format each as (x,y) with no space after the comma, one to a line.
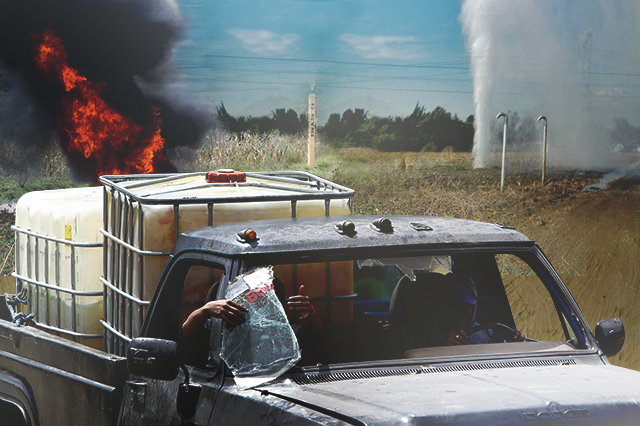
(416,320)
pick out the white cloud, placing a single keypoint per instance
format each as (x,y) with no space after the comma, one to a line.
(265,42)
(383,47)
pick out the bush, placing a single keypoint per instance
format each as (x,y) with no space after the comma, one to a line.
(430,147)
(250,151)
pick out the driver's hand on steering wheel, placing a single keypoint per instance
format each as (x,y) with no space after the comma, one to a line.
(519,337)
(456,337)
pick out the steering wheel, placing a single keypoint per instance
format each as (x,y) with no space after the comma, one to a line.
(501,332)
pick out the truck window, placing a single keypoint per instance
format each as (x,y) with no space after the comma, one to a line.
(374,308)
(200,287)
(198,282)
(533,309)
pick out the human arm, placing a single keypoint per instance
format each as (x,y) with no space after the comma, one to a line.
(227,310)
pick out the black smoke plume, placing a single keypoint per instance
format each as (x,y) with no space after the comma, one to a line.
(125,44)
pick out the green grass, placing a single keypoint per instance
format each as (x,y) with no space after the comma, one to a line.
(48,171)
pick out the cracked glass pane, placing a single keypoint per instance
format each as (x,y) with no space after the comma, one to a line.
(264,346)
(408,265)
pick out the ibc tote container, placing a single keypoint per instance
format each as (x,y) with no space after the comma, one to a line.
(145,214)
(88,259)
(59,261)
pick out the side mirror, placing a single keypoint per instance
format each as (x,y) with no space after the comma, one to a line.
(610,336)
(153,358)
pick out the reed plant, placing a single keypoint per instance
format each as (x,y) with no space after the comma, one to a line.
(248,152)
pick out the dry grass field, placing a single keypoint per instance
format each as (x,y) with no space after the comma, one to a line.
(592,238)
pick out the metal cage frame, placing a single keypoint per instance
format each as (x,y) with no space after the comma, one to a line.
(121,251)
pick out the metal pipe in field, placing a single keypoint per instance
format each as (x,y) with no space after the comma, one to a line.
(544,147)
(504,146)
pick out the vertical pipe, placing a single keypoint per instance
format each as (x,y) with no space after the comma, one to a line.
(73,287)
(116,274)
(57,273)
(210,214)
(46,279)
(176,222)
(112,254)
(36,275)
(140,264)
(124,269)
(105,245)
(544,147)
(18,259)
(328,292)
(294,207)
(504,146)
(295,278)
(130,266)
(327,206)
(28,274)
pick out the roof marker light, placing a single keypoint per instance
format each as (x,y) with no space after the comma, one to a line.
(346,228)
(503,226)
(382,225)
(420,226)
(247,236)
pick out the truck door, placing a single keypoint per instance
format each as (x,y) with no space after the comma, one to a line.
(186,285)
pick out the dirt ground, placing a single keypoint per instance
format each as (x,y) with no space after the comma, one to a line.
(594,242)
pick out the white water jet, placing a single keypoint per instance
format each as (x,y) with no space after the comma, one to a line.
(575,62)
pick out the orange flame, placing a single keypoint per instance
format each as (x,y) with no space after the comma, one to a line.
(91,127)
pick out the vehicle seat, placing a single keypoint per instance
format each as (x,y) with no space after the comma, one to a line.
(418,315)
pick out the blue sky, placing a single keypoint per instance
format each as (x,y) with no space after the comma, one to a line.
(383,56)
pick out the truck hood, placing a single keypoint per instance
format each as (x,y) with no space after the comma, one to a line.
(506,396)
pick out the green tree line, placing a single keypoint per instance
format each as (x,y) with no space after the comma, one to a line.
(419,131)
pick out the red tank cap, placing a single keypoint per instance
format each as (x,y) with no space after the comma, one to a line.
(225,175)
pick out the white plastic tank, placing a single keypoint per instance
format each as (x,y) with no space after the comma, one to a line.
(74,215)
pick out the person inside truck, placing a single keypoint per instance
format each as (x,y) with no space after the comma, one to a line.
(195,330)
(464,316)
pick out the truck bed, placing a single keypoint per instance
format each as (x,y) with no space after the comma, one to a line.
(72,383)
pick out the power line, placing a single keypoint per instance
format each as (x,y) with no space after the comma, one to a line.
(327,61)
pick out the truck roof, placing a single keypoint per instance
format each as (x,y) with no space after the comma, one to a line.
(321,233)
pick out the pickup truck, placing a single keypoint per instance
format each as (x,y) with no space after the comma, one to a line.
(416,320)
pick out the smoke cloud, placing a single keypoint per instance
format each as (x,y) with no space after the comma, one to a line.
(125,44)
(576,62)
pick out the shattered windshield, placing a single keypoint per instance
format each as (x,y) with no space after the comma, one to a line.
(264,345)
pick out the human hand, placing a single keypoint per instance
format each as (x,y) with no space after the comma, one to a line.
(300,306)
(456,337)
(227,310)
(519,337)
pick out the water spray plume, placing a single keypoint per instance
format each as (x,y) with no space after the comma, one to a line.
(575,62)
(88,126)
